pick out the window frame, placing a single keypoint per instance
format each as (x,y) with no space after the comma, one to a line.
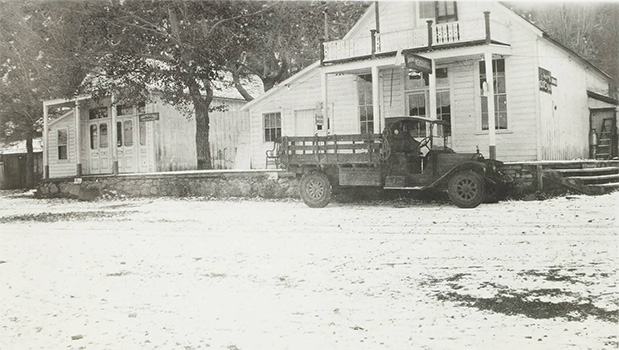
(93,113)
(366,125)
(498,96)
(65,145)
(436,6)
(275,132)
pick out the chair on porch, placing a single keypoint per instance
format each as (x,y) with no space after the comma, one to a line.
(272,155)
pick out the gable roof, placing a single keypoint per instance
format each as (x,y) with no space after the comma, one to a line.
(281,85)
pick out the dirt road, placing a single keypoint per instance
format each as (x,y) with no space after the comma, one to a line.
(197,274)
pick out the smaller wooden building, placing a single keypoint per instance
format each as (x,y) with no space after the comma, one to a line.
(13,164)
(94,138)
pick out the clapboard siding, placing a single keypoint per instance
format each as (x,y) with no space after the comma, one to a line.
(229,129)
(565,118)
(302,95)
(62,167)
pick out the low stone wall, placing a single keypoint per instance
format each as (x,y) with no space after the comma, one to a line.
(216,184)
(528,180)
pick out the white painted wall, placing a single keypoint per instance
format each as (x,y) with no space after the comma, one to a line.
(62,167)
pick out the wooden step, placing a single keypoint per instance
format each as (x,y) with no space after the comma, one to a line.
(586,170)
(595,177)
(609,185)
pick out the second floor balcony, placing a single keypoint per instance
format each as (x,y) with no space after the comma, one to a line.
(432,36)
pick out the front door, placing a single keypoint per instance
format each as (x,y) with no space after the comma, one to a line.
(99,147)
(125,143)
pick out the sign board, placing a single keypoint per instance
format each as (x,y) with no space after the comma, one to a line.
(419,63)
(147,117)
(319,118)
(545,80)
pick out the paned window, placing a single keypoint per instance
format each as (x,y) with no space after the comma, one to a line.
(272,126)
(97,113)
(128,132)
(438,11)
(94,136)
(142,133)
(500,95)
(62,144)
(366,109)
(103,135)
(446,11)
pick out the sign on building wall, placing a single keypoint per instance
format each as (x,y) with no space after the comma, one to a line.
(546,81)
(147,117)
(419,63)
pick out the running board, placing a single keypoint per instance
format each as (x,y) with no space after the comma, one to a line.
(415,188)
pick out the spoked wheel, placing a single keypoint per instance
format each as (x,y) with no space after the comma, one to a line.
(315,190)
(466,189)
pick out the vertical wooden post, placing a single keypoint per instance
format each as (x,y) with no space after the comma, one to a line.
(432,98)
(375,101)
(429,33)
(326,120)
(114,136)
(322,51)
(487,20)
(373,34)
(377,16)
(78,140)
(490,99)
(45,142)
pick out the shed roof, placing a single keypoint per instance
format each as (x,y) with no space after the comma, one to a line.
(19,147)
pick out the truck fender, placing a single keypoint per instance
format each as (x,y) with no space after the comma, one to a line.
(477,167)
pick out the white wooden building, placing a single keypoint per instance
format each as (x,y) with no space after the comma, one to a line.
(430,59)
(94,138)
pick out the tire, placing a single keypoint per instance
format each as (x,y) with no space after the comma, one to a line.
(466,189)
(315,190)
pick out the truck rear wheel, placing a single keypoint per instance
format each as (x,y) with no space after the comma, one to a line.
(466,189)
(315,190)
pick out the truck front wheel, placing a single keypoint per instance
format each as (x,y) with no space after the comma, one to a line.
(466,189)
(315,190)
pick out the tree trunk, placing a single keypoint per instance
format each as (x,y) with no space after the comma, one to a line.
(201,107)
(29,163)
(203,151)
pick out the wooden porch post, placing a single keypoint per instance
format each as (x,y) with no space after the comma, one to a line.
(432,97)
(323,81)
(78,140)
(375,101)
(490,99)
(114,138)
(45,143)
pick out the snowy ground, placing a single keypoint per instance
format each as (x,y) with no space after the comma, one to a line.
(241,275)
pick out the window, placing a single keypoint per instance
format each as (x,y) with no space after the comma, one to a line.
(272,126)
(418,95)
(366,109)
(62,144)
(128,132)
(94,136)
(438,11)
(426,9)
(500,95)
(443,110)
(97,113)
(142,133)
(417,108)
(103,135)
(446,11)
(124,110)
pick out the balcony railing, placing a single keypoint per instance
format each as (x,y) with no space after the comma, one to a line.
(432,35)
